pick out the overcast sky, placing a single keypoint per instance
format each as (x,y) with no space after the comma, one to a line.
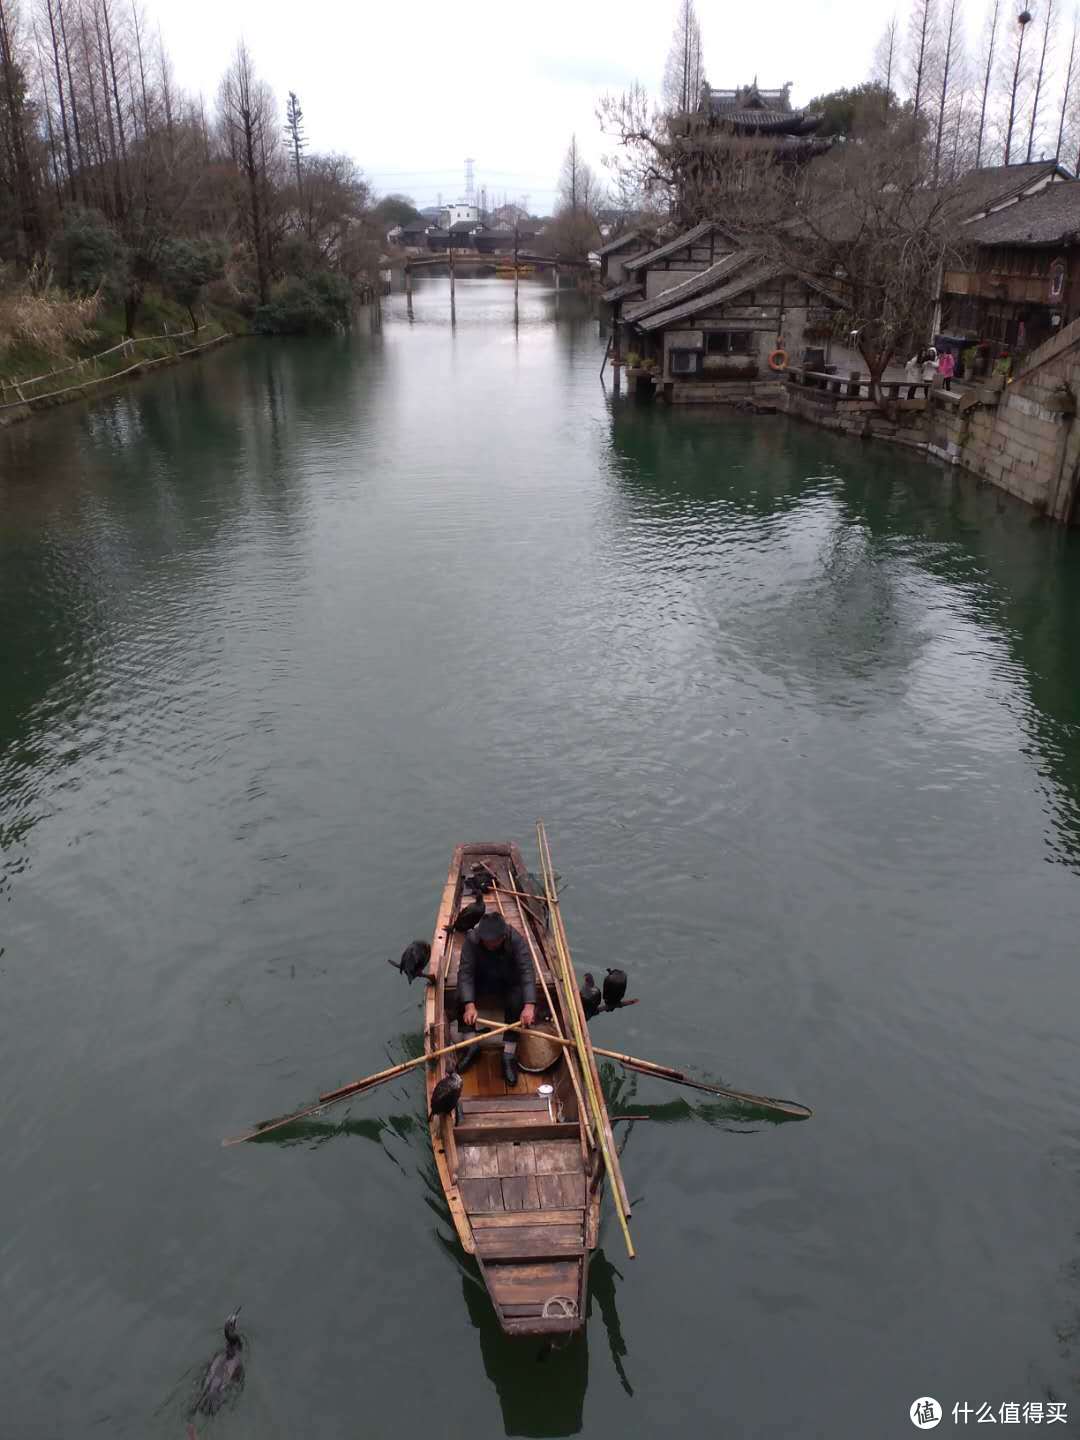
(410,91)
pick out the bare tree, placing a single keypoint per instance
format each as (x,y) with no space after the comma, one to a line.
(885,61)
(869,231)
(950,75)
(16,137)
(50,15)
(684,72)
(922,39)
(989,44)
(577,182)
(1070,75)
(1019,77)
(246,107)
(1048,16)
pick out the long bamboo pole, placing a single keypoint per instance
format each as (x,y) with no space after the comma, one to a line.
(584,1054)
(369,1082)
(583,1109)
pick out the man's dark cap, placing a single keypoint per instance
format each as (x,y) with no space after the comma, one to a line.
(491,927)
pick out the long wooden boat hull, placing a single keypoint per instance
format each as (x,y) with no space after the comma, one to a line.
(521,1172)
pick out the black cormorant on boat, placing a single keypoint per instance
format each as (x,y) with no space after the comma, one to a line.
(445,1096)
(614,989)
(590,997)
(225,1371)
(470,915)
(414,960)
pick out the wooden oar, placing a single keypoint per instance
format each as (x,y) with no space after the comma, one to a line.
(369,1082)
(679,1077)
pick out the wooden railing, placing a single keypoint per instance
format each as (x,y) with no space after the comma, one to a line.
(856,386)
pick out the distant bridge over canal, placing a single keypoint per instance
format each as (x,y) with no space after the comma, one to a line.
(498,260)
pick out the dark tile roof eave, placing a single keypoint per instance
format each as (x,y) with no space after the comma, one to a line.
(620,242)
(1034,170)
(719,296)
(620,292)
(704,280)
(688,237)
(1050,217)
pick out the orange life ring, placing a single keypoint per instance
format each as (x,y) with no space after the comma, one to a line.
(778,360)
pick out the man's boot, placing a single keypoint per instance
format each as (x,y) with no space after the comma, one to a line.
(510,1068)
(466,1057)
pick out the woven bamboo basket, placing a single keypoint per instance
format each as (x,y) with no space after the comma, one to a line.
(536,1052)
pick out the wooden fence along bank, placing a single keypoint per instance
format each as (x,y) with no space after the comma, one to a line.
(20,398)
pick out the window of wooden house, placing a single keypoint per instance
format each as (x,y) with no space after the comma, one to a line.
(728,342)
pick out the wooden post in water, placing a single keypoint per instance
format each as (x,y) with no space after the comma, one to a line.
(515,267)
(450,250)
(408,287)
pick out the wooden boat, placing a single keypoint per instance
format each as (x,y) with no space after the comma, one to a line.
(521,1170)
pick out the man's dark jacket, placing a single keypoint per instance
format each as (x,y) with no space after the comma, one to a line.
(504,969)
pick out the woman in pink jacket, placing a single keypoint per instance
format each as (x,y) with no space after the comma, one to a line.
(946,368)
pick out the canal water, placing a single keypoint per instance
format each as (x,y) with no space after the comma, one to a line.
(803,720)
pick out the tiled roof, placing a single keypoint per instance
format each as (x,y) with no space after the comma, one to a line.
(620,292)
(628,237)
(1052,217)
(688,237)
(721,294)
(694,285)
(978,190)
(717,296)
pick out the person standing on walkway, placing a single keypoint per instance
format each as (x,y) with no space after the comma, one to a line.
(947,368)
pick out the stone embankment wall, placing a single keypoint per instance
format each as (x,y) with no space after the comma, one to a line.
(1024,438)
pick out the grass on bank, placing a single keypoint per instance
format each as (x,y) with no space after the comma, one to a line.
(41,336)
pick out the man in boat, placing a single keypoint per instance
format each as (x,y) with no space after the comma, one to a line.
(495,960)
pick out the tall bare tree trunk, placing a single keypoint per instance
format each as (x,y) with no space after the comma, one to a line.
(1038,83)
(922,34)
(1069,75)
(28,223)
(1022,23)
(54,155)
(80,153)
(991,41)
(50,12)
(947,68)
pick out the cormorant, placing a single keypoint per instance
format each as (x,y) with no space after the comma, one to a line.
(614,989)
(225,1371)
(470,915)
(414,960)
(590,997)
(445,1096)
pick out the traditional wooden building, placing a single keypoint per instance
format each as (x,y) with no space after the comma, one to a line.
(724,326)
(1014,279)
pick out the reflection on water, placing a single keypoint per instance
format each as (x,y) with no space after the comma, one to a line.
(280,629)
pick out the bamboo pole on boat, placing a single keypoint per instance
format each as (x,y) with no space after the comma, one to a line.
(357,1087)
(584,1051)
(583,1109)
